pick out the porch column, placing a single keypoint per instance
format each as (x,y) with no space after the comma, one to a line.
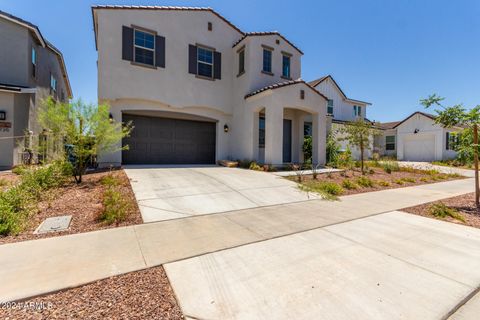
(319,139)
(274,135)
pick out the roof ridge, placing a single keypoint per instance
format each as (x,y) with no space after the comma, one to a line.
(265,33)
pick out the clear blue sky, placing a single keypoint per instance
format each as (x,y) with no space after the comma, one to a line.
(388,52)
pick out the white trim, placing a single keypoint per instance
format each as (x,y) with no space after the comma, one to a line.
(144,48)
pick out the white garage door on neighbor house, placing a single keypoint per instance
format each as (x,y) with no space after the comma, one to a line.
(419,147)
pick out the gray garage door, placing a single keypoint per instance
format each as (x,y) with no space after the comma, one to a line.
(169,141)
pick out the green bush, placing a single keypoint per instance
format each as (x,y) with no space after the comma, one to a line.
(440,210)
(110,181)
(116,206)
(399,182)
(244,164)
(365,182)
(424,179)
(17,203)
(19,169)
(349,184)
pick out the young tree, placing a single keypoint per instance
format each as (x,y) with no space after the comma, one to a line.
(83,129)
(458,116)
(359,133)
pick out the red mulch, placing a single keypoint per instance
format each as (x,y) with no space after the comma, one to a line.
(464,204)
(82,201)
(143,294)
(379,175)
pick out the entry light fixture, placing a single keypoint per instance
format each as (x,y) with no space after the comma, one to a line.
(416,131)
(226,128)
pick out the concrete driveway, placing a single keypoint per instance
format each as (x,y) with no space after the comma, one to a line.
(388,266)
(165,192)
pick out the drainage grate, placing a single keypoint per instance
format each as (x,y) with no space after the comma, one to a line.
(54,224)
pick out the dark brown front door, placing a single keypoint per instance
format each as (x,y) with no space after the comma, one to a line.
(169,141)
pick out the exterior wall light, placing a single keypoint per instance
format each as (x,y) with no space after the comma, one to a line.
(226,128)
(416,131)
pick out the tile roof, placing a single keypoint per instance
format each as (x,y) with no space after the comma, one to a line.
(281,85)
(387,125)
(266,33)
(166,8)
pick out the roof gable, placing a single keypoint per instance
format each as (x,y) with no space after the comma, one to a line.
(318,81)
(284,84)
(268,33)
(427,115)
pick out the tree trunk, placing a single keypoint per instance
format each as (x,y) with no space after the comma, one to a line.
(475,158)
(361,155)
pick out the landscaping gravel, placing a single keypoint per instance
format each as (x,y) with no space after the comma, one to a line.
(464,204)
(143,294)
(84,202)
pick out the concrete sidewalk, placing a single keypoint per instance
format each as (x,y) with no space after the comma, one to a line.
(41,266)
(389,266)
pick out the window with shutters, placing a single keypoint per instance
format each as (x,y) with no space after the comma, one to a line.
(390,143)
(144,47)
(205,62)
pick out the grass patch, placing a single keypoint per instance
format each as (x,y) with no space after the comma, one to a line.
(400,182)
(349,184)
(409,180)
(440,210)
(365,182)
(327,189)
(390,166)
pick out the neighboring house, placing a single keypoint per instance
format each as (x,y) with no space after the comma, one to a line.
(31,69)
(198,89)
(341,110)
(417,138)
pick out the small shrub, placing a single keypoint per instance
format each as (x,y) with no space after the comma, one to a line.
(399,182)
(116,206)
(390,166)
(110,181)
(371,171)
(431,172)
(383,183)
(424,179)
(15,207)
(244,164)
(19,169)
(327,189)
(409,179)
(440,210)
(3,182)
(365,182)
(269,168)
(255,166)
(349,184)
(441,177)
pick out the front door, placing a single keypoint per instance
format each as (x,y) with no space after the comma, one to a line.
(287,141)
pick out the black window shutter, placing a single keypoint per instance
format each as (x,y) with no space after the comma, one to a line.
(127,43)
(447,136)
(192,59)
(217,65)
(160,51)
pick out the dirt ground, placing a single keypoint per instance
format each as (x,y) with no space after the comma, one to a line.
(464,204)
(377,175)
(143,294)
(82,201)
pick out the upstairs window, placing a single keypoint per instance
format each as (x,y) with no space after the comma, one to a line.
(330,107)
(205,62)
(241,61)
(34,62)
(53,84)
(390,143)
(144,46)
(357,111)
(267,60)
(286,66)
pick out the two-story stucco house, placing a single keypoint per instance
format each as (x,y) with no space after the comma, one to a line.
(198,89)
(31,69)
(341,110)
(417,138)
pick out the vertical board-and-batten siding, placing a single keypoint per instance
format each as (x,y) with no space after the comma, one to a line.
(341,110)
